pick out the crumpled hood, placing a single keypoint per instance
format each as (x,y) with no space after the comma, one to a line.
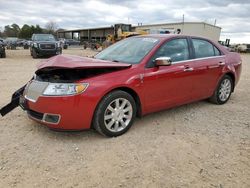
(71,62)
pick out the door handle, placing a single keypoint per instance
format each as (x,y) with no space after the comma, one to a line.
(188,69)
(221,63)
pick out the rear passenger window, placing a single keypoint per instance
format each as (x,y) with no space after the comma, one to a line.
(216,52)
(204,48)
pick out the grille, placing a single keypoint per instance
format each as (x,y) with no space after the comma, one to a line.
(36,115)
(47,46)
(34,90)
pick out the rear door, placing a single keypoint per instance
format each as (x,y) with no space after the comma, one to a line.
(207,64)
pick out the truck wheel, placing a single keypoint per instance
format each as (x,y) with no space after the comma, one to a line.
(115,114)
(34,54)
(4,55)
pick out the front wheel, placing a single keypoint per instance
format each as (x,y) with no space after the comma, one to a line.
(34,54)
(223,90)
(115,114)
(3,55)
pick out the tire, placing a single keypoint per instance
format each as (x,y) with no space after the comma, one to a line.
(34,54)
(111,121)
(223,90)
(4,55)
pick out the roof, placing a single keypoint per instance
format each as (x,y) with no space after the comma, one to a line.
(177,23)
(149,25)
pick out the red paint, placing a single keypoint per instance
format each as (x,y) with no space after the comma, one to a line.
(161,88)
(70,61)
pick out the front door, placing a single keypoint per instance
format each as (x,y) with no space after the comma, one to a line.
(167,86)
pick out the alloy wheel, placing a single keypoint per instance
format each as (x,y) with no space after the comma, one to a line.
(118,115)
(225,89)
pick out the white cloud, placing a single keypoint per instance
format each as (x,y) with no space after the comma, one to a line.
(231,15)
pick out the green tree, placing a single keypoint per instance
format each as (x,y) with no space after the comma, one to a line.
(16,29)
(25,32)
(12,31)
(9,31)
(38,29)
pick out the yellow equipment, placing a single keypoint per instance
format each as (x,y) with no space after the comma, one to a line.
(121,31)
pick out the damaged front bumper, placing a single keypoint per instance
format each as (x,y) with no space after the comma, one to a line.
(18,99)
(72,112)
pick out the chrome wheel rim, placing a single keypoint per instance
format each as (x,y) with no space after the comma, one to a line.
(118,115)
(225,90)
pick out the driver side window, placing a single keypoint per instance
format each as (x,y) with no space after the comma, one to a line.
(176,49)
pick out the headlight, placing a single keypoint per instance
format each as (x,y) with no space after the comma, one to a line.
(35,45)
(58,44)
(60,89)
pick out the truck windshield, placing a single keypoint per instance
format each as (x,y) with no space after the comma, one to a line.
(131,50)
(44,37)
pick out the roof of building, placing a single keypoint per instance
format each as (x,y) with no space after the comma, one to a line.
(178,23)
(148,25)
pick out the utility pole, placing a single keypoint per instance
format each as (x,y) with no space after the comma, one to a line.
(183,17)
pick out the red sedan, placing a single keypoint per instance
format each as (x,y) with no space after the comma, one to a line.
(133,77)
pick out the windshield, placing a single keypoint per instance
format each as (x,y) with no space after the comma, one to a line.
(131,50)
(44,38)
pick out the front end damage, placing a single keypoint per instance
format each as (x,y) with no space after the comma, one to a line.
(68,112)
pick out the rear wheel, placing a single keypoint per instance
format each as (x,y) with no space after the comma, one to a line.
(223,90)
(115,114)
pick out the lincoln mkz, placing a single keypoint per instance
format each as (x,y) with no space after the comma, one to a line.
(133,77)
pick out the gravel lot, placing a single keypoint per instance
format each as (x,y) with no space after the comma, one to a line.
(195,145)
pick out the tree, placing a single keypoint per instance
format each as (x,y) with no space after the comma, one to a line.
(51,27)
(25,32)
(16,29)
(8,31)
(12,31)
(1,32)
(38,29)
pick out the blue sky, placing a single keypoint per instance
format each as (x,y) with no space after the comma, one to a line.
(231,15)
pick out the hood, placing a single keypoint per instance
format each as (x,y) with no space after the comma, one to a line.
(68,68)
(77,62)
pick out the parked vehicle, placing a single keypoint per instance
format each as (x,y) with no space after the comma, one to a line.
(93,45)
(2,49)
(243,48)
(133,77)
(26,44)
(11,43)
(72,42)
(3,41)
(44,45)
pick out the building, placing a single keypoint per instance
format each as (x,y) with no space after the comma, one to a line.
(187,28)
(201,29)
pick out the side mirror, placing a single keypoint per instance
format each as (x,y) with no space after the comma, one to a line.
(163,61)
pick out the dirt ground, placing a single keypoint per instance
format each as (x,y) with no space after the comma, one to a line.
(195,145)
